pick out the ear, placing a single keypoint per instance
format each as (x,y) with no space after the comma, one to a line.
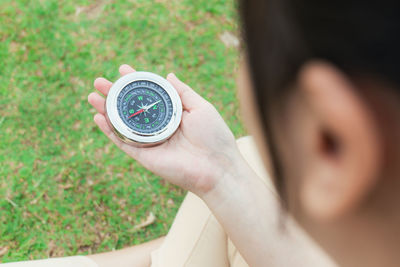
(346,146)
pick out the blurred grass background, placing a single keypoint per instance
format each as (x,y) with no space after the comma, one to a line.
(65,189)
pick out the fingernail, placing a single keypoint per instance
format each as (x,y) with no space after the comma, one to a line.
(172,75)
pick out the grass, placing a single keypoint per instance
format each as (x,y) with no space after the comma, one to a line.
(64,188)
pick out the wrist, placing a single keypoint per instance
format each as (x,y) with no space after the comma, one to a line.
(233,181)
(219,166)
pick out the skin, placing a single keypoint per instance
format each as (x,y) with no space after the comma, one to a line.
(339,152)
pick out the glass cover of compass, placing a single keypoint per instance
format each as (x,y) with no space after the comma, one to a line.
(143,108)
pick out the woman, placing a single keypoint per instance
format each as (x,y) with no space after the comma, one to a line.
(320,95)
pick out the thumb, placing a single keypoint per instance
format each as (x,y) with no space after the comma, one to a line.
(190,99)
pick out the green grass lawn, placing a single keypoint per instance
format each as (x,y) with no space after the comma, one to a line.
(64,188)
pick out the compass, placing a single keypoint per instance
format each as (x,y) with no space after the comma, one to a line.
(143,108)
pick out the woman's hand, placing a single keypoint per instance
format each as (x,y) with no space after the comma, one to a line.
(196,157)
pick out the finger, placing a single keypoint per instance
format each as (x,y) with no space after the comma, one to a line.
(125,69)
(101,121)
(190,99)
(103,85)
(97,102)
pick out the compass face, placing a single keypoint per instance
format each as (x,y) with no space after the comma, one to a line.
(145,107)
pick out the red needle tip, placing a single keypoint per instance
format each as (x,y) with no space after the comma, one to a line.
(137,112)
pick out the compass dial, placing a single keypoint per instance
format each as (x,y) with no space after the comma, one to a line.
(145,107)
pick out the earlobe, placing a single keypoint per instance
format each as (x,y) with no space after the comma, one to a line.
(346,147)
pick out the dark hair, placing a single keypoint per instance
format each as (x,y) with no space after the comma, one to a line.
(359,37)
